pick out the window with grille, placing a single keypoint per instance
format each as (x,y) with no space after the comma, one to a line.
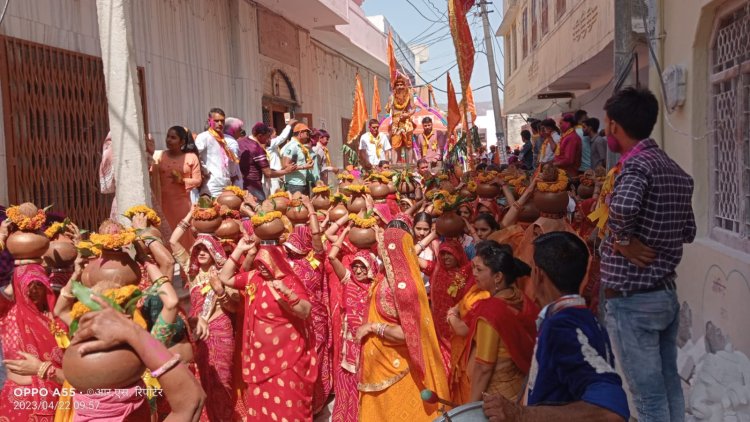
(533,24)
(730,120)
(560,9)
(525,33)
(544,17)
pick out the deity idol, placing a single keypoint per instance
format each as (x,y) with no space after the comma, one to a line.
(401,108)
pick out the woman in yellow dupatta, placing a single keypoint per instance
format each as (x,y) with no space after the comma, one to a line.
(400,352)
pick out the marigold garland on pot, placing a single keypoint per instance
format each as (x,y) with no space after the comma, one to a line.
(357,188)
(262,218)
(339,198)
(280,194)
(345,176)
(236,190)
(151,216)
(560,185)
(205,214)
(487,177)
(471,186)
(54,229)
(363,222)
(114,240)
(321,189)
(379,177)
(120,296)
(88,249)
(23,222)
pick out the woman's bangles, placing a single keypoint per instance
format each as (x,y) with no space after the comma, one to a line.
(379,329)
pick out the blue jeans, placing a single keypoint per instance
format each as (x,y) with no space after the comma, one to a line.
(643,328)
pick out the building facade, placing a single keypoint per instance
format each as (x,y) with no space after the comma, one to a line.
(255,59)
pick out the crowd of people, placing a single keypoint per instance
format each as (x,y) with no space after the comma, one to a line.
(372,293)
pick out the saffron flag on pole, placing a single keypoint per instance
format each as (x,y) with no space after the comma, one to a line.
(376,99)
(462,40)
(359,111)
(392,67)
(467,106)
(454,113)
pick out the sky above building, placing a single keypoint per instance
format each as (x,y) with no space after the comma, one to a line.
(426,22)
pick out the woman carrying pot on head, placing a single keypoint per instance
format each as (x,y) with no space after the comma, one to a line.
(356,281)
(209,314)
(28,329)
(427,245)
(502,328)
(279,362)
(400,352)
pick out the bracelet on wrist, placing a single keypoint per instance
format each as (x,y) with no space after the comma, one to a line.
(167,366)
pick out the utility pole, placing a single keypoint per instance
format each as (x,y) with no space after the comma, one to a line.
(496,108)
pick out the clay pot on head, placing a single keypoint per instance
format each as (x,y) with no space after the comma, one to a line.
(337,212)
(61,253)
(116,368)
(27,245)
(379,190)
(551,202)
(406,188)
(279,204)
(344,184)
(585,192)
(450,224)
(391,188)
(207,226)
(271,230)
(229,229)
(529,213)
(321,201)
(466,193)
(361,237)
(113,266)
(230,200)
(488,190)
(298,215)
(357,204)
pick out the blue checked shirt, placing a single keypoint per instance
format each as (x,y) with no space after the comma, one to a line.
(652,202)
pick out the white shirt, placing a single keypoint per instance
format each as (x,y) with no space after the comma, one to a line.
(271,185)
(212,159)
(370,147)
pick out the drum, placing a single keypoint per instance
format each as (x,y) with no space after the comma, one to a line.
(471,412)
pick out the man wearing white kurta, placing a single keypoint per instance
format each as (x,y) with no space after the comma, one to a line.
(272,184)
(218,154)
(373,146)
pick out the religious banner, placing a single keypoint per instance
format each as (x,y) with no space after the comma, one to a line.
(359,111)
(375,99)
(454,112)
(462,40)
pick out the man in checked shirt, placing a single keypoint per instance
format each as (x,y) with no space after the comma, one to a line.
(650,218)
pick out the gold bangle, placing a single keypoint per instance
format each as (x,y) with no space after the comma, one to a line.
(43,369)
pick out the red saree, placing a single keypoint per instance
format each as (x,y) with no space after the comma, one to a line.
(309,268)
(278,351)
(24,328)
(354,308)
(213,356)
(447,288)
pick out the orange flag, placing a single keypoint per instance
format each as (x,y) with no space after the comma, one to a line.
(376,99)
(454,112)
(359,112)
(462,40)
(392,67)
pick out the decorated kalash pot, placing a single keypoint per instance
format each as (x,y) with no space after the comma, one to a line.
(357,202)
(114,276)
(405,183)
(268,226)
(445,207)
(378,186)
(26,242)
(487,185)
(279,201)
(231,197)
(113,266)
(297,212)
(551,193)
(206,217)
(345,179)
(469,190)
(362,232)
(153,222)
(229,232)
(321,198)
(60,255)
(337,208)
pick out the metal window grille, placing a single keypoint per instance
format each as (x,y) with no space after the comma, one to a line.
(730,117)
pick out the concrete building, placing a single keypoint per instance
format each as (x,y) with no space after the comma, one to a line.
(255,59)
(558,56)
(703,48)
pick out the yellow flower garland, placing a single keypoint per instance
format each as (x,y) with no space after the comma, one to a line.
(379,178)
(54,230)
(364,223)
(85,245)
(339,197)
(151,215)
(236,190)
(345,176)
(471,186)
(357,188)
(119,296)
(113,241)
(280,194)
(259,219)
(23,222)
(321,189)
(559,186)
(486,177)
